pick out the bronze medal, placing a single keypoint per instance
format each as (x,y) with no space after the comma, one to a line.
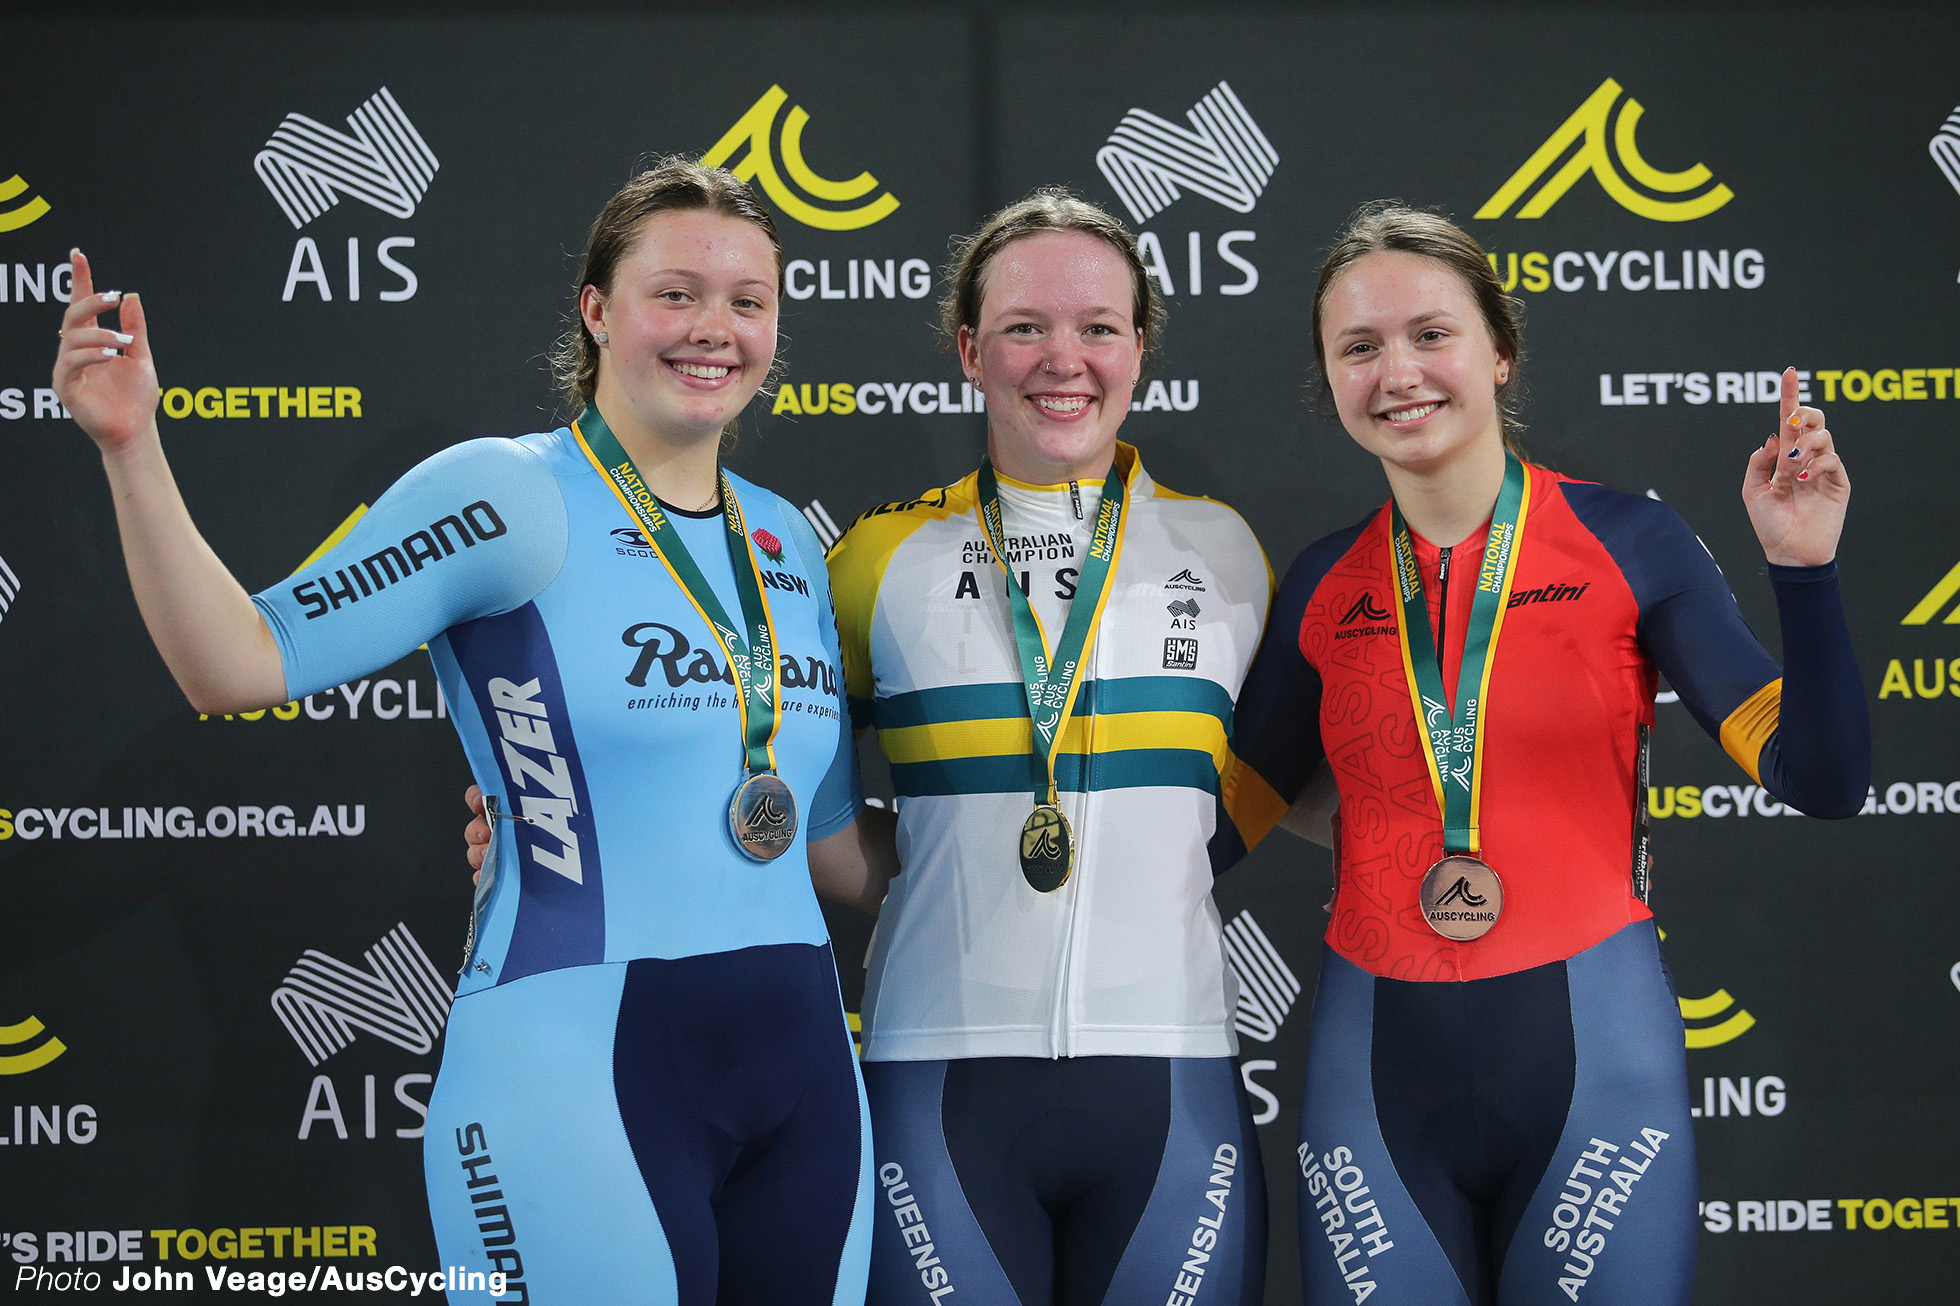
(1047,849)
(1462,898)
(762,817)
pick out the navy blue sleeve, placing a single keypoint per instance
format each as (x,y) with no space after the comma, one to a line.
(1276,721)
(1801,731)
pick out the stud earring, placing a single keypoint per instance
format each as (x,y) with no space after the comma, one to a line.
(602,338)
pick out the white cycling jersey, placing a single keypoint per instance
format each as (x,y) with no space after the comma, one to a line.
(1127,958)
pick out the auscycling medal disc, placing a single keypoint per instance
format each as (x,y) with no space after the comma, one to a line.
(1462,898)
(762,817)
(1047,849)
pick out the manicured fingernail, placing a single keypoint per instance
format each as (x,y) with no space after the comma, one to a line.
(1803,476)
(109,353)
(1793,419)
(1795,449)
(122,339)
(111,296)
(74,252)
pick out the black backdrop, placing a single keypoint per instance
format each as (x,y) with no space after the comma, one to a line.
(215,1026)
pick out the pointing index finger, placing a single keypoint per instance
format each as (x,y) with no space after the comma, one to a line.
(1786,417)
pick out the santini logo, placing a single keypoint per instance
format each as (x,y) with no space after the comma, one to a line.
(1587,127)
(308,166)
(1365,609)
(13,1036)
(13,219)
(400,998)
(1223,156)
(755,129)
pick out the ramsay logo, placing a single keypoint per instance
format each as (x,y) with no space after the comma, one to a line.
(1149,162)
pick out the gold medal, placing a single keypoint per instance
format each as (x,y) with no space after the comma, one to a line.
(1047,849)
(762,817)
(1462,898)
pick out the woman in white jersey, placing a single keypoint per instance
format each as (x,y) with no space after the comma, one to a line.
(1049,650)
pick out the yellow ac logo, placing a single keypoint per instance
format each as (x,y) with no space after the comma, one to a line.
(1936,598)
(1588,125)
(15,218)
(19,1063)
(755,129)
(1724,1031)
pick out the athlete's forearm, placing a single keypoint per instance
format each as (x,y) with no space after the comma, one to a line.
(1820,757)
(855,866)
(210,635)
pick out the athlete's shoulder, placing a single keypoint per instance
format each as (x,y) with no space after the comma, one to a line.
(1217,531)
(877,533)
(1629,525)
(1319,558)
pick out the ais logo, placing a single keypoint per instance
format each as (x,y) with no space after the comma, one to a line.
(1587,127)
(19,215)
(400,998)
(32,1058)
(1149,161)
(756,129)
(307,166)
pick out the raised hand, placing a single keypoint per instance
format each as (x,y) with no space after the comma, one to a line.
(1796,488)
(107,378)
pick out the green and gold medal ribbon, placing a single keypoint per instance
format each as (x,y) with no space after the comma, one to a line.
(1454,740)
(1052,680)
(751,650)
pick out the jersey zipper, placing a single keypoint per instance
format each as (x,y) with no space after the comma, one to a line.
(1443,607)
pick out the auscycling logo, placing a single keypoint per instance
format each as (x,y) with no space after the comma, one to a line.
(1636,189)
(15,216)
(756,129)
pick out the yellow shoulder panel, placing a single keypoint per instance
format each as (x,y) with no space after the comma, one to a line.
(1749,727)
(1254,806)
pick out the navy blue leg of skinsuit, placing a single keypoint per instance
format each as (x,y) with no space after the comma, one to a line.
(1081,1181)
(1522,1140)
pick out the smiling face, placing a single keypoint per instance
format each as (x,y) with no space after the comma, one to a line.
(691,321)
(1410,362)
(1057,353)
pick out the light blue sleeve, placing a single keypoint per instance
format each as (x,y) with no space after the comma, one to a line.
(841,794)
(478,529)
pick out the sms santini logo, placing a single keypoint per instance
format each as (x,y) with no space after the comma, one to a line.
(757,130)
(1587,127)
